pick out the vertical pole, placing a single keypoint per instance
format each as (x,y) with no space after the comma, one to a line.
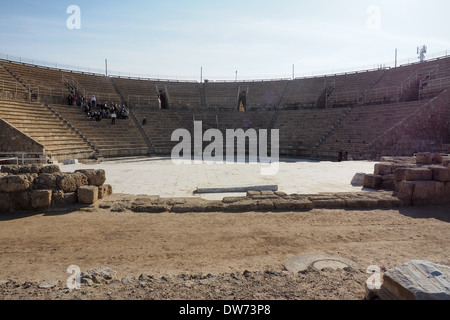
(235,77)
(293,72)
(201,74)
(106,67)
(396,58)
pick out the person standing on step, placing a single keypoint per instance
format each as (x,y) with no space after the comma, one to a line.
(113,118)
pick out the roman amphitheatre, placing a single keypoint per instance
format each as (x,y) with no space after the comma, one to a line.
(213,231)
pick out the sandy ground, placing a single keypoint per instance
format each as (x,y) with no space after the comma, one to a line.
(41,246)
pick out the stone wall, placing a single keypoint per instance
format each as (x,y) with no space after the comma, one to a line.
(420,180)
(39,187)
(12,140)
(424,131)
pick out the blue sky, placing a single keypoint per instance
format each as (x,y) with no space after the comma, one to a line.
(259,39)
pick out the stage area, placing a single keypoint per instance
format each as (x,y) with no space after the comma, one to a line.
(160,176)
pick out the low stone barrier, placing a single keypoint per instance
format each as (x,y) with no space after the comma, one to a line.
(420,180)
(39,187)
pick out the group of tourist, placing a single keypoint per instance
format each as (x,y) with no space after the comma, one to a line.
(97,111)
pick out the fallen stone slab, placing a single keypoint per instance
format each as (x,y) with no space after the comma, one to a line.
(416,280)
(303,262)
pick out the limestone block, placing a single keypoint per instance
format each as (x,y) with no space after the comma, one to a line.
(20,201)
(372,181)
(46,181)
(405,192)
(265,205)
(16,183)
(388,185)
(418,174)
(358,179)
(416,280)
(10,168)
(41,199)
(383,168)
(70,182)
(241,206)
(440,173)
(87,194)
(96,177)
(51,169)
(424,158)
(428,192)
(30,168)
(437,158)
(327,201)
(104,191)
(5,202)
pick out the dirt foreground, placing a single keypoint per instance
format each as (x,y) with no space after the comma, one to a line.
(211,256)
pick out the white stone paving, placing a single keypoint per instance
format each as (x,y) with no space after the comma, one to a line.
(160,176)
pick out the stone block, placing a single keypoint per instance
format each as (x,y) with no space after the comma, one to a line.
(10,168)
(372,181)
(53,168)
(104,191)
(383,168)
(96,177)
(388,185)
(215,206)
(428,192)
(241,206)
(20,201)
(416,280)
(265,205)
(5,202)
(70,182)
(440,173)
(437,158)
(16,183)
(405,192)
(87,194)
(46,181)
(358,179)
(424,158)
(41,199)
(418,174)
(327,201)
(30,168)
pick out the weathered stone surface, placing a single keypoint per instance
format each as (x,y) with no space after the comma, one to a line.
(327,201)
(41,199)
(440,173)
(5,202)
(265,205)
(104,191)
(10,168)
(428,192)
(372,181)
(87,194)
(30,168)
(241,206)
(233,199)
(46,181)
(399,173)
(424,158)
(20,201)
(405,192)
(96,177)
(418,174)
(388,185)
(383,168)
(53,168)
(437,158)
(358,179)
(16,183)
(70,182)
(416,280)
